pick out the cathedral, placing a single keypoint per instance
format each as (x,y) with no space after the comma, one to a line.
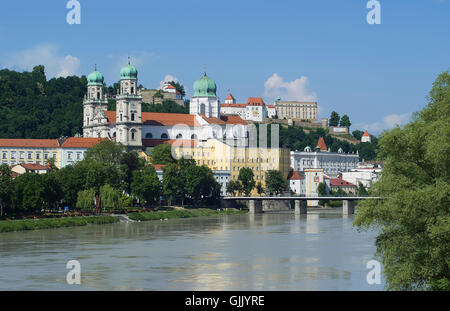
(133,128)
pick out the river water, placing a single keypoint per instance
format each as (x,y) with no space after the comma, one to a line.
(243,252)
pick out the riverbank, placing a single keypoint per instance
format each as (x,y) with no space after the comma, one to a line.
(184,213)
(49,223)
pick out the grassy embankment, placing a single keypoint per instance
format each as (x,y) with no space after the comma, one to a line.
(182,214)
(35,224)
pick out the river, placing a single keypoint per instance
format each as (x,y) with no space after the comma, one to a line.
(243,252)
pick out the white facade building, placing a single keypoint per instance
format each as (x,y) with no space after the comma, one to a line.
(331,162)
(254,110)
(365,176)
(131,127)
(297,183)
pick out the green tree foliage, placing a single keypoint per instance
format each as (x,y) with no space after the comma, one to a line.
(200,183)
(85,199)
(32,107)
(167,106)
(414,216)
(322,189)
(233,187)
(362,191)
(146,185)
(5,188)
(259,188)
(162,154)
(107,151)
(275,182)
(173,182)
(246,178)
(334,119)
(179,87)
(345,121)
(130,162)
(111,198)
(357,134)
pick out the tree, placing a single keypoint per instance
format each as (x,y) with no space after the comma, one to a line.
(246,177)
(362,191)
(179,87)
(234,186)
(5,187)
(106,151)
(334,119)
(162,154)
(71,179)
(200,183)
(167,106)
(414,217)
(259,188)
(322,189)
(85,199)
(345,121)
(275,182)
(357,134)
(173,182)
(129,163)
(111,198)
(146,185)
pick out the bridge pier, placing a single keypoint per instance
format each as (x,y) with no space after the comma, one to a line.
(255,206)
(348,207)
(300,207)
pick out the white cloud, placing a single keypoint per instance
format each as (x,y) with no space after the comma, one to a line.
(389,122)
(275,87)
(56,65)
(167,78)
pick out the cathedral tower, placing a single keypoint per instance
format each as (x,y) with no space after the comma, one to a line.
(129,109)
(95,123)
(205,100)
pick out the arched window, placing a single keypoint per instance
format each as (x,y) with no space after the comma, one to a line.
(148,135)
(193,136)
(132,117)
(179,136)
(133,134)
(164,136)
(203,109)
(114,135)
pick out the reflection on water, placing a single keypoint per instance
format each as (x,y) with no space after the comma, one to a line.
(246,252)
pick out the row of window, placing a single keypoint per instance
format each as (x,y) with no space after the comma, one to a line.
(30,155)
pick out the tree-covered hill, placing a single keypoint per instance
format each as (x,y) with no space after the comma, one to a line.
(32,107)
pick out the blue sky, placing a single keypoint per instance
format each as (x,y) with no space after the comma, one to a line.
(321,49)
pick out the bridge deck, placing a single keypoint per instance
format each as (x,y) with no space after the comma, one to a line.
(303,198)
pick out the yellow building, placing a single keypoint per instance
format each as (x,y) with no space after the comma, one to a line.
(219,156)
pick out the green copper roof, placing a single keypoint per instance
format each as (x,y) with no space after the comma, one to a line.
(95,78)
(128,72)
(205,87)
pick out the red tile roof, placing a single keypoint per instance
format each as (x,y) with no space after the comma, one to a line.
(366,134)
(337,182)
(160,118)
(270,106)
(234,105)
(212,120)
(29,143)
(255,101)
(321,144)
(170,86)
(295,175)
(229,97)
(179,142)
(158,167)
(233,120)
(81,142)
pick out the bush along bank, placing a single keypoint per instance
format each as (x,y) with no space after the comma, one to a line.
(181,214)
(36,224)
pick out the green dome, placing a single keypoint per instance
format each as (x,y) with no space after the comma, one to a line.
(95,78)
(205,87)
(128,72)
